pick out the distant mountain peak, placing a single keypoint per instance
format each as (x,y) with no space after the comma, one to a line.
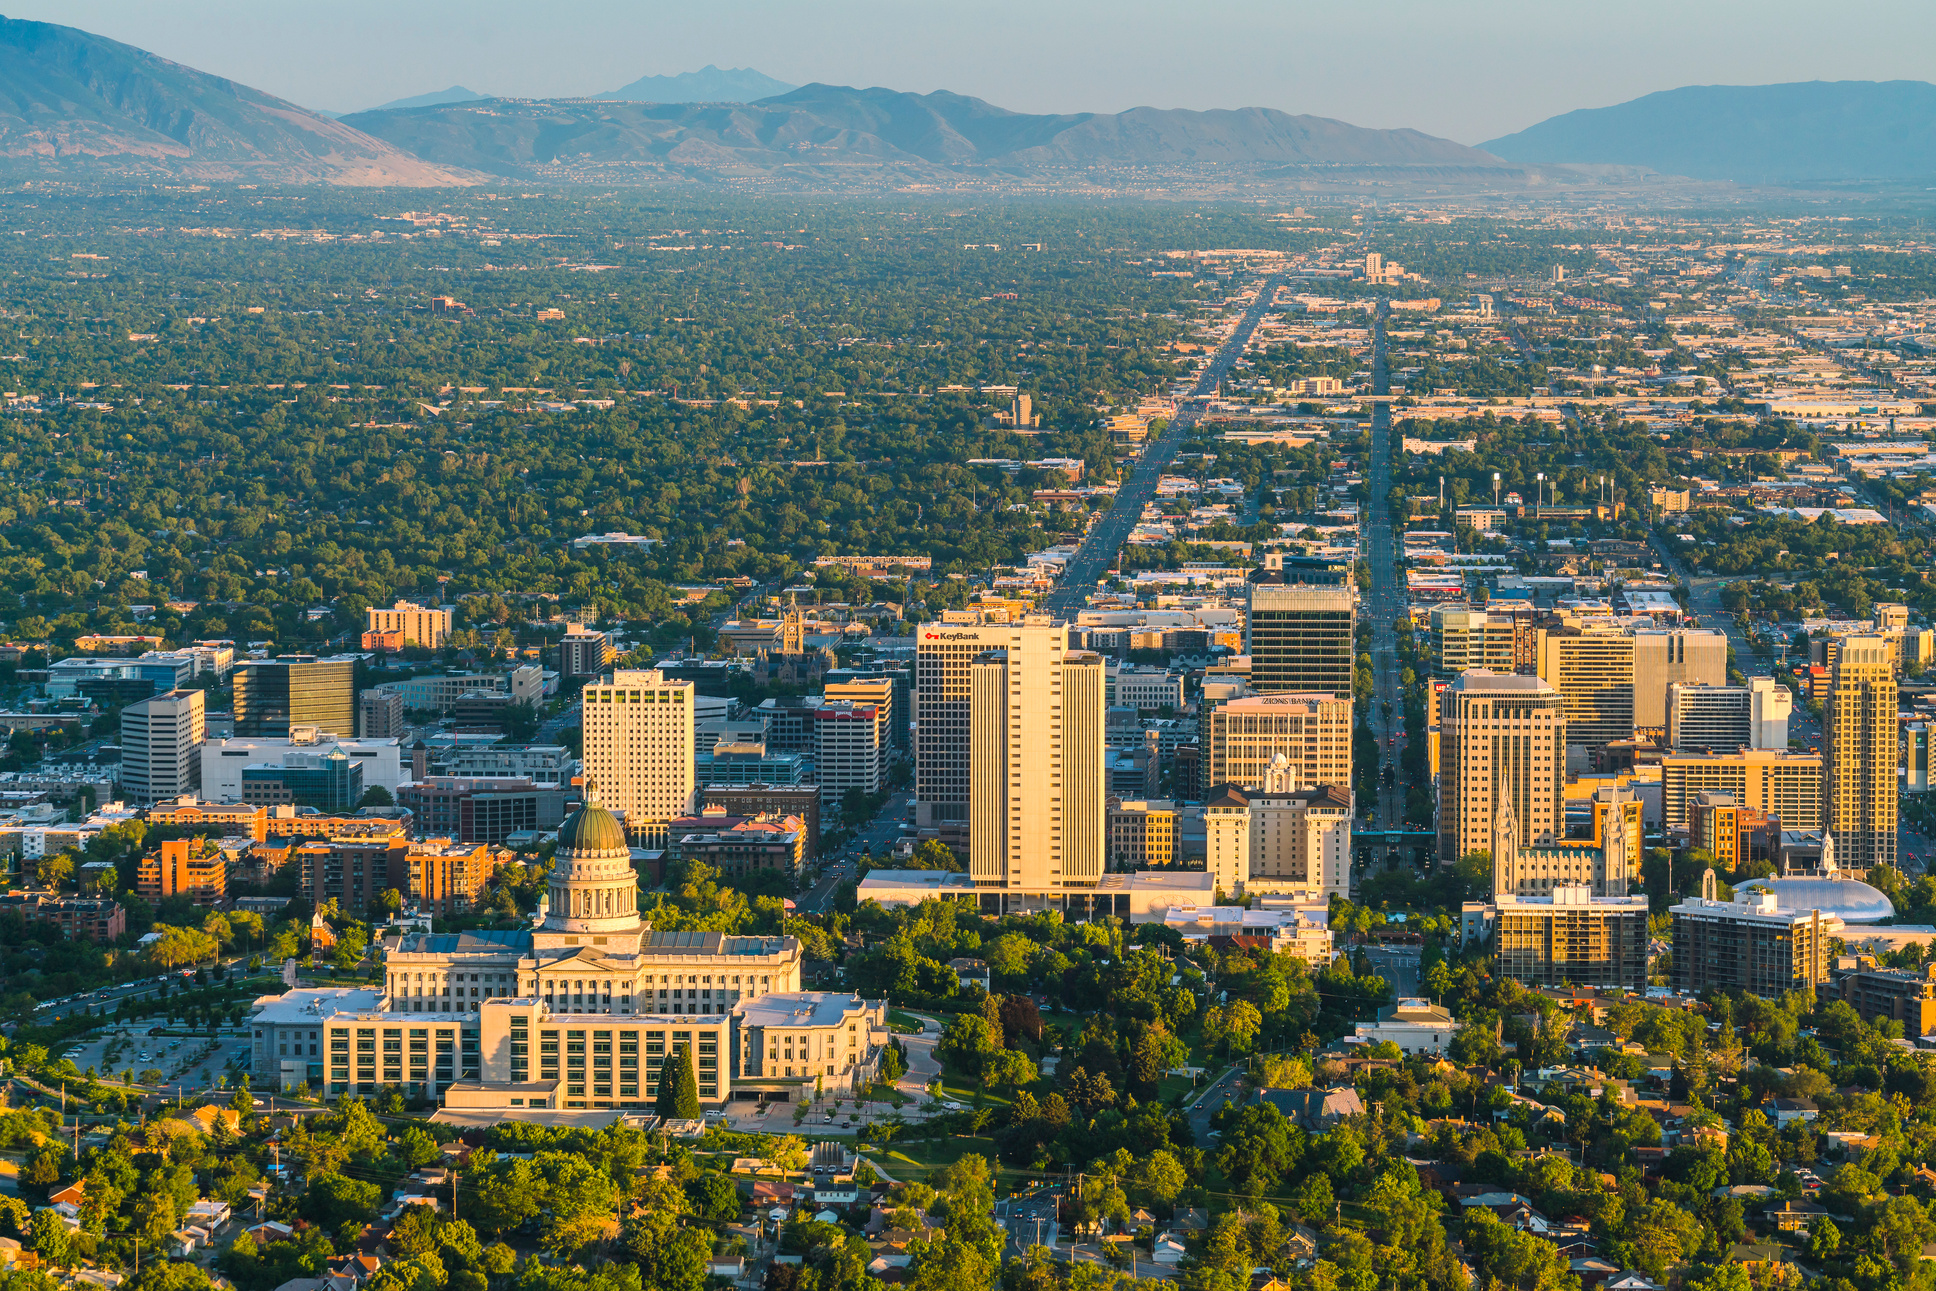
(1835,131)
(709,84)
(436,98)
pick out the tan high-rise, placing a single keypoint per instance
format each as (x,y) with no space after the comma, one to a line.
(944,653)
(1313,732)
(1591,665)
(1772,781)
(638,749)
(1037,777)
(1465,639)
(1687,656)
(1501,738)
(1863,746)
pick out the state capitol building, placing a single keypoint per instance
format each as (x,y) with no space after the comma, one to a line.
(579,1012)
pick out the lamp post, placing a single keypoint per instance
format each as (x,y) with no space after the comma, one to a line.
(1539,491)
(1495,488)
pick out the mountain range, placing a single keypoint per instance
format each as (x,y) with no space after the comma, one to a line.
(908,135)
(74,104)
(77,105)
(1807,131)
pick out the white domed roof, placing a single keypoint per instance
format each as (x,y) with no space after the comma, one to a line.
(1849,899)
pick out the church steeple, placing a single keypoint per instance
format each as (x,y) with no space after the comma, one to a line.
(1505,848)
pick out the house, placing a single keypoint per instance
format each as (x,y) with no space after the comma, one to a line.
(13,1255)
(207,1213)
(772,1192)
(1633,1280)
(1167,1249)
(358,1267)
(1796,1216)
(1592,1271)
(1191,1220)
(728,1267)
(1786,1111)
(970,972)
(1315,1109)
(273,1230)
(1588,1039)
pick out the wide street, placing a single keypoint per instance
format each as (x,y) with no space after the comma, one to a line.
(1097,553)
(1383,602)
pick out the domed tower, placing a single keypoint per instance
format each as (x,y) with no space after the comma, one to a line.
(593,887)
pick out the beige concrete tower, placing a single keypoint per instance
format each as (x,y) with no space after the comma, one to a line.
(1036,785)
(1502,739)
(639,748)
(1863,750)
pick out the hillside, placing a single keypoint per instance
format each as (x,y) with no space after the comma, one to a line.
(707,85)
(838,130)
(1803,131)
(76,105)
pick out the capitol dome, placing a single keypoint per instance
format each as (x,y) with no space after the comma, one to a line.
(592,828)
(592,887)
(1850,900)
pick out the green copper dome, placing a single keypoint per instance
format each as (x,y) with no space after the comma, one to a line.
(592,828)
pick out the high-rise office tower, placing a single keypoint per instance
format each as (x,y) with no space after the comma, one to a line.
(639,748)
(1689,656)
(1863,749)
(944,653)
(1501,739)
(1591,665)
(1464,639)
(1036,792)
(379,715)
(161,746)
(1770,704)
(272,695)
(1299,639)
(1313,732)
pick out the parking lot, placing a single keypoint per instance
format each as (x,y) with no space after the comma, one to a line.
(196,1060)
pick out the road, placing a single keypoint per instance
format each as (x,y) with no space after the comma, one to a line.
(1106,536)
(1383,600)
(1207,1104)
(1398,965)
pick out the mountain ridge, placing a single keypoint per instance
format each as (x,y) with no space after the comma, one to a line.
(913,135)
(76,104)
(1796,131)
(710,84)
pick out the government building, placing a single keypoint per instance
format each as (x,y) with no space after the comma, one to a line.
(579,1012)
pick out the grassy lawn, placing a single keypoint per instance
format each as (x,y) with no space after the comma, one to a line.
(904,1023)
(928,1155)
(1175,1090)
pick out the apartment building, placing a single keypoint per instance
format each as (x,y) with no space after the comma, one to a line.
(1570,937)
(1770,781)
(1462,640)
(444,877)
(1864,746)
(482,810)
(1591,666)
(1684,656)
(190,867)
(1749,944)
(380,715)
(412,623)
(850,744)
(585,652)
(1703,718)
(1900,995)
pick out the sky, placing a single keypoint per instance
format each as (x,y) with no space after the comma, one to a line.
(1455,68)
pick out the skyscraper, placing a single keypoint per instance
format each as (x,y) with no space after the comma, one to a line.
(1299,638)
(639,748)
(1688,656)
(1463,639)
(161,746)
(1313,732)
(944,653)
(1502,739)
(1591,665)
(1863,751)
(1036,793)
(272,695)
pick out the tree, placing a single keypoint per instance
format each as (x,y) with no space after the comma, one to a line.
(376,796)
(714,1199)
(54,870)
(678,1086)
(333,1200)
(52,1243)
(967,1043)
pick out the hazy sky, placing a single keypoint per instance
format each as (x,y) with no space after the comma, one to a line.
(1467,71)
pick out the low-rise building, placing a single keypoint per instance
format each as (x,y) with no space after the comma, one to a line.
(1414,1025)
(1749,944)
(482,810)
(1877,994)
(740,845)
(810,1041)
(192,867)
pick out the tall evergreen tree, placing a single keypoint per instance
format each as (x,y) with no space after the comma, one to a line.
(679,1087)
